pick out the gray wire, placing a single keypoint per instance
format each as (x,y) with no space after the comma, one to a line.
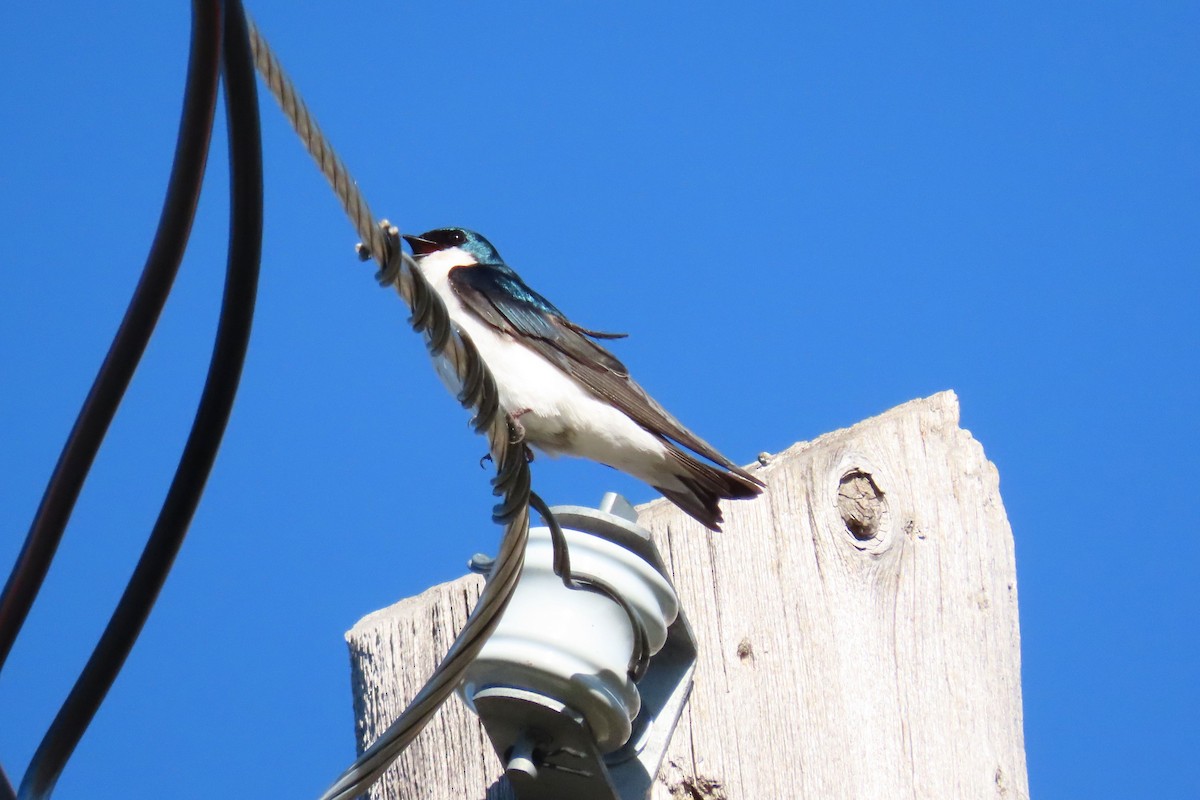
(639,660)
(318,146)
(479,394)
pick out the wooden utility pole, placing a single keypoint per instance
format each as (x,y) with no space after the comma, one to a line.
(857,628)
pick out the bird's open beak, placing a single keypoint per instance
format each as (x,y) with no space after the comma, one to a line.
(421,246)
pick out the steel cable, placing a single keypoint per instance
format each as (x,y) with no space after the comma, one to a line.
(512,481)
(479,394)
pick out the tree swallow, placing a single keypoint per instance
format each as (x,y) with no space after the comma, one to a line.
(570,394)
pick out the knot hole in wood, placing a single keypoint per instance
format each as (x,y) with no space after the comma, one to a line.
(861,504)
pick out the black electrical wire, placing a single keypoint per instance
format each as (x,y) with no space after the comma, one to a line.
(158,274)
(216,401)
(6,790)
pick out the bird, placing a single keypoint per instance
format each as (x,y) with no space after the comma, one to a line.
(568,394)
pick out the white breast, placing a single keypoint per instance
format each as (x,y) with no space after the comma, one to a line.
(558,414)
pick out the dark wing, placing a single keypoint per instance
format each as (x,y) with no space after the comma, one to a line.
(499,297)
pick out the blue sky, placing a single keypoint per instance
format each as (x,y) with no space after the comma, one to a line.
(804,214)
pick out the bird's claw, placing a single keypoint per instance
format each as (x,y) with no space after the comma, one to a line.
(488,457)
(516,431)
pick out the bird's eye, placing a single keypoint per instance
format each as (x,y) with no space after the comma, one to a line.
(458,237)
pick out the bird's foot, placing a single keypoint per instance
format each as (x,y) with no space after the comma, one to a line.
(516,433)
(515,428)
(487,458)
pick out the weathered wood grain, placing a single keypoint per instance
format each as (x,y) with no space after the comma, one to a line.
(857,628)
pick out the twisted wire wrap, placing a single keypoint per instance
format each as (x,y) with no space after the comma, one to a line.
(479,393)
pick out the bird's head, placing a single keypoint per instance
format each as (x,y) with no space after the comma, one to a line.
(440,239)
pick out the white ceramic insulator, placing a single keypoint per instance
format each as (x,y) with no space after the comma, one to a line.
(575,646)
